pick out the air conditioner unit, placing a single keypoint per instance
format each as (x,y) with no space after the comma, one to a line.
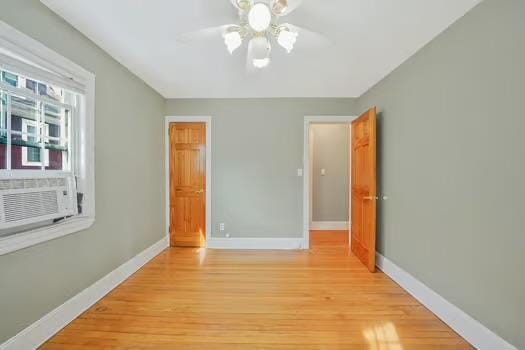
(29,200)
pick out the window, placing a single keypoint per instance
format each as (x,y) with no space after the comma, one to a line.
(31,156)
(46,141)
(35,121)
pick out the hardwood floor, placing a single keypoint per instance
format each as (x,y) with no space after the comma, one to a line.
(334,239)
(189,298)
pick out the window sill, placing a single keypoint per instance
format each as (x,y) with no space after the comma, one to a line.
(43,234)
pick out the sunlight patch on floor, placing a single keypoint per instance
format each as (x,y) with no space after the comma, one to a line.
(383,337)
(202,255)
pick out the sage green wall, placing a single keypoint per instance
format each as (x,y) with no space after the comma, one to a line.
(257,149)
(129,181)
(331,151)
(452,161)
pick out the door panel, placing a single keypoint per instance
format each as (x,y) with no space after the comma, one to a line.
(188,184)
(364,190)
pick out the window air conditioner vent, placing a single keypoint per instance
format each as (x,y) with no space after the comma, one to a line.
(15,184)
(22,206)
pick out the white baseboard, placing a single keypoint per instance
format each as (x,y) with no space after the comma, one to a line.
(329,225)
(255,243)
(37,333)
(474,332)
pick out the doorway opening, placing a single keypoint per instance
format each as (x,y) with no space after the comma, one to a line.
(361,193)
(329,179)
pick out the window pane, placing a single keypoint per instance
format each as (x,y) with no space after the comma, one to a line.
(56,119)
(31,85)
(20,157)
(3,114)
(56,137)
(33,153)
(9,78)
(22,108)
(38,130)
(25,134)
(3,131)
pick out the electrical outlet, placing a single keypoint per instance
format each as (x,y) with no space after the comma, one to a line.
(221,226)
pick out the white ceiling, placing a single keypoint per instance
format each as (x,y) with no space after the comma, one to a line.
(366,40)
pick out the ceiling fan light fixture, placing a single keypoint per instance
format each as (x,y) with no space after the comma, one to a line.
(259,23)
(260,48)
(287,38)
(279,7)
(233,39)
(260,17)
(261,63)
(243,4)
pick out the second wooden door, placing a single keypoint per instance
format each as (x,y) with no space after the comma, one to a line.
(363,189)
(187,184)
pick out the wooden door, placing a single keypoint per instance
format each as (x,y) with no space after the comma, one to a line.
(364,189)
(187,184)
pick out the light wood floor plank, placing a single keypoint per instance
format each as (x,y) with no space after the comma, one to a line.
(209,299)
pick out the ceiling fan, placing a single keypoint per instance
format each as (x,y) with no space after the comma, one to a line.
(259,23)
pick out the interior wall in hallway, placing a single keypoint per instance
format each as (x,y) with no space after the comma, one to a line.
(331,144)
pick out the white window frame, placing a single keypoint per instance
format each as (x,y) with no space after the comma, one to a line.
(58,66)
(25,151)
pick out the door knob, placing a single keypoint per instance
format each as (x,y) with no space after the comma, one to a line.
(199,191)
(370,198)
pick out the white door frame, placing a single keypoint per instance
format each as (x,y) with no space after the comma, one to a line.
(309,120)
(188,119)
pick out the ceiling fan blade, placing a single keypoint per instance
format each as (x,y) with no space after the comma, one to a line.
(285,7)
(243,5)
(308,38)
(211,33)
